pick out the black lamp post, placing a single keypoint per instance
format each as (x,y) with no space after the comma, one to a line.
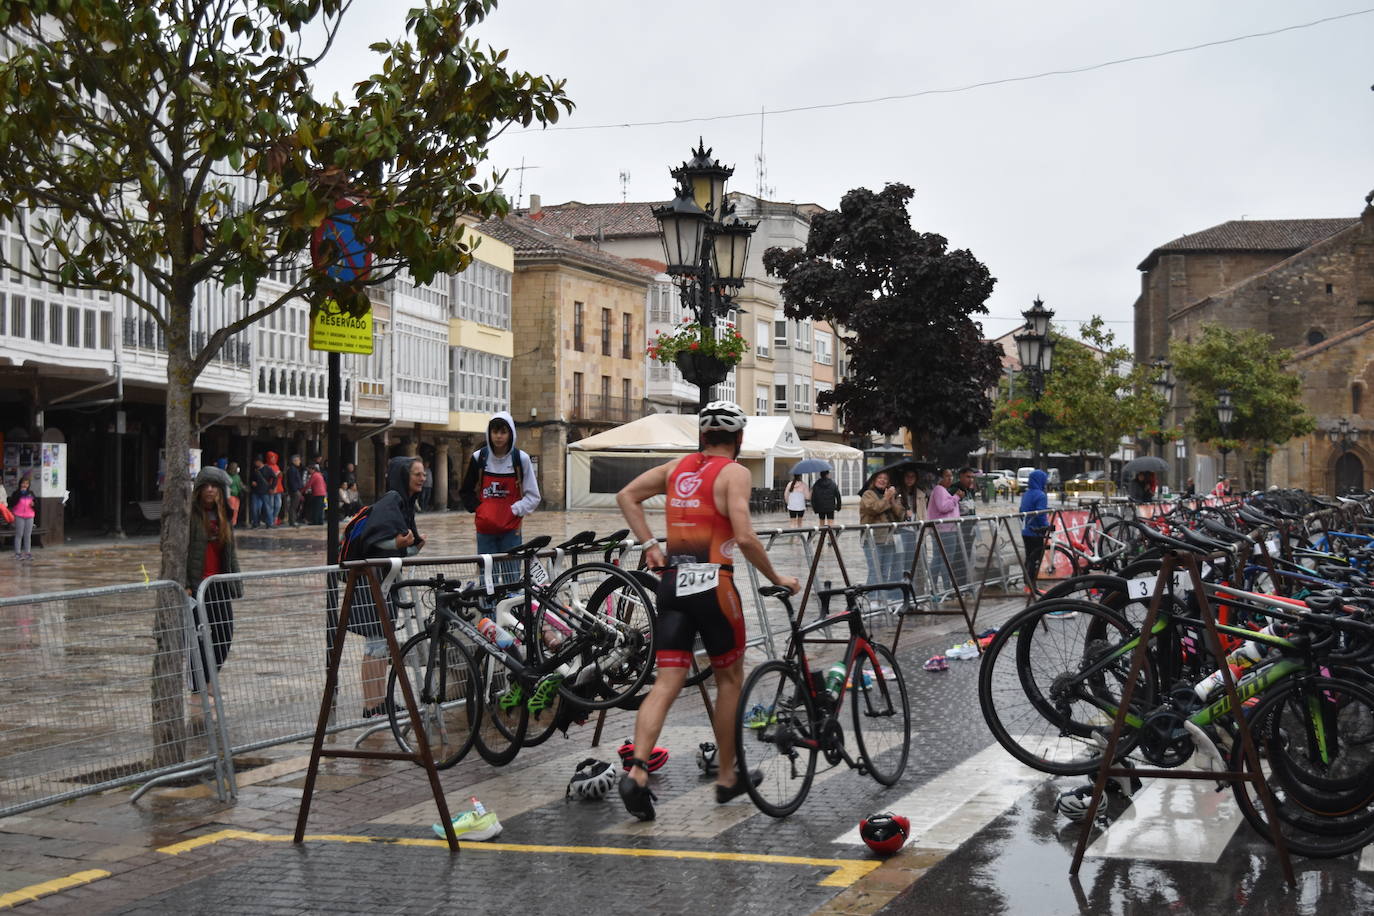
(706,250)
(1036,352)
(1163,385)
(1226,412)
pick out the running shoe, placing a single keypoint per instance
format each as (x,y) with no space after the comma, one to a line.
(725,793)
(473,826)
(1061,615)
(936,663)
(965,650)
(760,716)
(639,800)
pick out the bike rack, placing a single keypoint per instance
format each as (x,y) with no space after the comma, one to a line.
(1174,560)
(421,755)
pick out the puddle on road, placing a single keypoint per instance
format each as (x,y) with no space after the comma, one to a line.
(1019,865)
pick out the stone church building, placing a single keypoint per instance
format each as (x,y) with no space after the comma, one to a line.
(1309,283)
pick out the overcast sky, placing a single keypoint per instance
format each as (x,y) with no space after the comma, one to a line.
(1061,185)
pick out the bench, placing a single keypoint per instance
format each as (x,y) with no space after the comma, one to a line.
(150,513)
(7,535)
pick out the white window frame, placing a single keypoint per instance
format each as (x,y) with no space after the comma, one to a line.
(824,348)
(763,338)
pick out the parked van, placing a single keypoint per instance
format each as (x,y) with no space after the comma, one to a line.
(1052,485)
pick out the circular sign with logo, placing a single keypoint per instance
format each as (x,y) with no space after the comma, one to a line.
(335,247)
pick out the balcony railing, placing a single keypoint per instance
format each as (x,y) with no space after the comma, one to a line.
(608,408)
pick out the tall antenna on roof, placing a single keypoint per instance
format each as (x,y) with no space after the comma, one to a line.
(761,186)
(520,186)
(624,184)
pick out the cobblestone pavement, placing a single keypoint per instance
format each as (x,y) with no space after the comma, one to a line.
(985,837)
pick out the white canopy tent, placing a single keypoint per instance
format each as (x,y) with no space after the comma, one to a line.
(598,466)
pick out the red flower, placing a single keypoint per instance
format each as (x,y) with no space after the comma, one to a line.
(694,345)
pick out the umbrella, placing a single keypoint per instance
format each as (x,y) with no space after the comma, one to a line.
(1149,464)
(811,466)
(898,468)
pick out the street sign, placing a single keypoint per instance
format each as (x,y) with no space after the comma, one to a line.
(336,249)
(334,330)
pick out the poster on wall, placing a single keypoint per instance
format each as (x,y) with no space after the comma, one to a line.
(44,463)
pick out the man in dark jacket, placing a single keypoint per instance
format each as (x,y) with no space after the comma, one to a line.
(295,491)
(825,498)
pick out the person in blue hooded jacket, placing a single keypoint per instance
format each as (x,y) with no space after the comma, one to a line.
(1036,524)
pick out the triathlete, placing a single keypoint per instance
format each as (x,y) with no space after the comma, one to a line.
(707,515)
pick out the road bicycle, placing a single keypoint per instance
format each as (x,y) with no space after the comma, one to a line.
(1050,687)
(587,635)
(788,716)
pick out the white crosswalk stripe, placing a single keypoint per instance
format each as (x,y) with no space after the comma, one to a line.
(1176,820)
(955,805)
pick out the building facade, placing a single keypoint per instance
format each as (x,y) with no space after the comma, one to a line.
(579,324)
(1309,284)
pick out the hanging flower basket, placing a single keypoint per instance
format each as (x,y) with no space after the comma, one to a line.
(702,370)
(726,345)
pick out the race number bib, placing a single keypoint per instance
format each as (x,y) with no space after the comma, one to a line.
(694,578)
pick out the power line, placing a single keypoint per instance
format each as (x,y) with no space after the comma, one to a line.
(968,87)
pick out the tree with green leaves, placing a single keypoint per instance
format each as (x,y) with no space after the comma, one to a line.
(1093,396)
(155,150)
(1267,398)
(917,357)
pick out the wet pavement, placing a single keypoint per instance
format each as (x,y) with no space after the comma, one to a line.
(985,836)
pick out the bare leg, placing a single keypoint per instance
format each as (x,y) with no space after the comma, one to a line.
(652,712)
(728,683)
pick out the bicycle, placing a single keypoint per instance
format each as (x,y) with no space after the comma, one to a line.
(1049,688)
(586,635)
(787,717)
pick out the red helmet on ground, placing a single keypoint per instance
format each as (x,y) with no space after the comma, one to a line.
(884,833)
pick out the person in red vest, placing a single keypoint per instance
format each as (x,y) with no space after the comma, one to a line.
(708,525)
(500,487)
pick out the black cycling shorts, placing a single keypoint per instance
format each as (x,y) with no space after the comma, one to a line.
(717,615)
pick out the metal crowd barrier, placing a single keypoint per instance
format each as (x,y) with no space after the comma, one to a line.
(77,673)
(76,667)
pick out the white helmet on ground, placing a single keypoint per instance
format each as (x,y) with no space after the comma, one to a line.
(725,415)
(591,781)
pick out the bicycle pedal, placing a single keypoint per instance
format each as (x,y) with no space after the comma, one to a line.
(544,692)
(511,698)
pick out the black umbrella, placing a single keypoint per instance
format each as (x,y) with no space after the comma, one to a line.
(897,468)
(1149,464)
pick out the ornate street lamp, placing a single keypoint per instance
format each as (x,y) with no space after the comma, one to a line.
(1035,349)
(707,250)
(1226,412)
(1163,385)
(1343,434)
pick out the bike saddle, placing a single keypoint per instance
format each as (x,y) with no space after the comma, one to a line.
(778,591)
(531,547)
(1160,539)
(1199,539)
(581,539)
(612,539)
(1221,529)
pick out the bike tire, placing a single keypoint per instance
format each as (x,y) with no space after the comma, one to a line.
(1332,814)
(775,713)
(882,714)
(1044,727)
(450,709)
(501,731)
(611,615)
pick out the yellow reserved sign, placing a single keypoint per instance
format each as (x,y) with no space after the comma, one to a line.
(336,331)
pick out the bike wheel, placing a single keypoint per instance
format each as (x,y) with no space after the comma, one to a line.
(447,689)
(776,733)
(1036,699)
(503,723)
(882,714)
(599,619)
(1315,742)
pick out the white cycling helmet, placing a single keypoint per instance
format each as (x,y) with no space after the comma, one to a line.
(591,781)
(725,415)
(1074,803)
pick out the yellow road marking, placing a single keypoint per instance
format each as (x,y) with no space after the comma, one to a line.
(846,871)
(34,891)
